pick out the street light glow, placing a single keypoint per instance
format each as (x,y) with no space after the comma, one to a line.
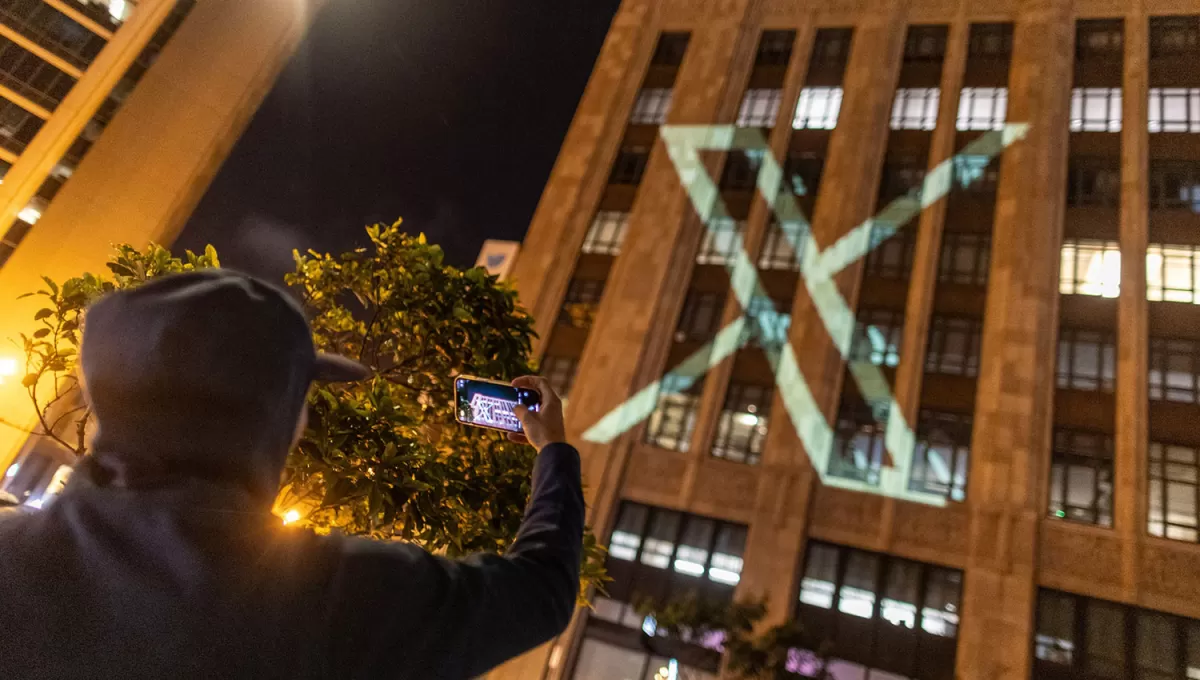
(8,368)
(291,516)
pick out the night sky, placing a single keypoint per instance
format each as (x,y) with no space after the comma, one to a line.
(448,113)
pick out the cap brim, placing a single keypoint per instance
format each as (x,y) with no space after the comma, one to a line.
(335,368)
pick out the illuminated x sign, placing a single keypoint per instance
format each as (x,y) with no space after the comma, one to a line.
(817,269)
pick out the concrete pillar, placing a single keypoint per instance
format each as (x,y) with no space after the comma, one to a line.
(1009,465)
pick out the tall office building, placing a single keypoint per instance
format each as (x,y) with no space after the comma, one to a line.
(1037,326)
(114,117)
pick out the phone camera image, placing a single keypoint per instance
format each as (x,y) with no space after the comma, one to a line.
(490,404)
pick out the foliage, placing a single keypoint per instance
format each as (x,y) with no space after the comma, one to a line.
(382,458)
(752,650)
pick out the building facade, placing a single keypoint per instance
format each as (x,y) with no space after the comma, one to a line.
(1037,325)
(114,117)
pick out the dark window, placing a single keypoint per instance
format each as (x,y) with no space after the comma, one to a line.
(942,455)
(742,425)
(989,41)
(760,108)
(579,305)
(1086,360)
(925,43)
(560,371)
(775,48)
(652,106)
(670,49)
(831,46)
(721,241)
(803,173)
(1174,492)
(1174,367)
(1174,36)
(974,175)
(1175,185)
(882,612)
(700,316)
(607,233)
(629,166)
(965,259)
(778,251)
(674,417)
(858,443)
(1099,39)
(877,336)
(663,554)
(1095,109)
(767,322)
(892,258)
(28,75)
(741,170)
(1093,182)
(954,346)
(17,126)
(52,30)
(1079,637)
(1081,469)
(901,177)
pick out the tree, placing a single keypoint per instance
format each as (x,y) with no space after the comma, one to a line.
(752,651)
(382,458)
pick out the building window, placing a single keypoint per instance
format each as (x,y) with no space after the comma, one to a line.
(877,337)
(943,454)
(1172,273)
(990,41)
(925,43)
(901,177)
(1174,492)
(760,107)
(674,417)
(974,175)
(982,108)
(741,170)
(722,238)
(54,31)
(1093,182)
(803,172)
(1096,109)
(832,46)
(881,612)
(891,259)
(1175,185)
(607,233)
(1175,109)
(775,48)
(579,306)
(965,259)
(630,166)
(31,76)
(663,554)
(700,316)
(1174,36)
(602,660)
(1086,360)
(858,443)
(1099,39)
(954,346)
(767,322)
(1090,268)
(560,371)
(1078,637)
(818,108)
(17,126)
(652,106)
(742,425)
(1081,467)
(777,251)
(670,49)
(915,108)
(1174,367)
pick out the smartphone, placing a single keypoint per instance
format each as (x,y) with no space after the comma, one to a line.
(490,403)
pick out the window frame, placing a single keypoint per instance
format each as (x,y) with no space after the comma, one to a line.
(1072,255)
(759,108)
(887,322)
(583,295)
(1068,377)
(818,108)
(1160,98)
(1068,455)
(652,106)
(880,260)
(672,424)
(629,167)
(699,316)
(1164,475)
(915,108)
(957,245)
(982,108)
(937,361)
(1161,351)
(1161,285)
(938,428)
(560,371)
(607,232)
(742,399)
(1085,116)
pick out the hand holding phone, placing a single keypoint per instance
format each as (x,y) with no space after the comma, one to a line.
(544,424)
(528,409)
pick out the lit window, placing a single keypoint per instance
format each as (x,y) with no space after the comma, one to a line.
(1081,484)
(1090,268)
(691,557)
(954,344)
(726,565)
(777,251)
(982,108)
(1175,109)
(858,444)
(915,108)
(1174,492)
(580,304)
(673,420)
(652,106)
(1174,367)
(767,322)
(1096,109)
(877,337)
(942,454)
(818,108)
(1086,360)
(742,425)
(1172,273)
(965,259)
(607,233)
(722,238)
(760,108)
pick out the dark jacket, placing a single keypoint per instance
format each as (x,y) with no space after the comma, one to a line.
(196,579)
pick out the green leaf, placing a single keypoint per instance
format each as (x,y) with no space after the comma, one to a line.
(41,333)
(43,314)
(50,282)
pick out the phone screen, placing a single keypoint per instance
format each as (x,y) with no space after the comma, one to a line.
(487,404)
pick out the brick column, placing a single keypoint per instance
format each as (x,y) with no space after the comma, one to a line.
(1009,465)
(1129,495)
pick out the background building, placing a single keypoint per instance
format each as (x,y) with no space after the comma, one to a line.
(114,117)
(1039,327)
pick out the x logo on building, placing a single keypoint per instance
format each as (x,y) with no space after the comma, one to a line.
(817,270)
